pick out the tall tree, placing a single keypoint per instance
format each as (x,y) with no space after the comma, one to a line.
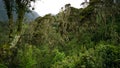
(20,7)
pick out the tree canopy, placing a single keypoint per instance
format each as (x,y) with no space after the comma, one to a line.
(74,38)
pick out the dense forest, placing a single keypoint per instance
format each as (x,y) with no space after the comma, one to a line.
(74,38)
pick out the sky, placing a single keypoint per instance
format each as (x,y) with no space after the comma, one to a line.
(43,7)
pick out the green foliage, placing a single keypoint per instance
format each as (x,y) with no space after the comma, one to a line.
(3,66)
(108,54)
(58,56)
(26,57)
(74,38)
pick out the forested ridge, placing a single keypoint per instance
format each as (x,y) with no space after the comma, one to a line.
(74,38)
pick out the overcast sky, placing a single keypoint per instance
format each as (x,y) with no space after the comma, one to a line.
(53,6)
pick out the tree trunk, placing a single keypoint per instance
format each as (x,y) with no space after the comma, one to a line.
(19,28)
(11,23)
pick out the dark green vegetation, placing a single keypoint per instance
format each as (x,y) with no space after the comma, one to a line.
(74,38)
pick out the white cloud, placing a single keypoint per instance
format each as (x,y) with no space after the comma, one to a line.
(53,6)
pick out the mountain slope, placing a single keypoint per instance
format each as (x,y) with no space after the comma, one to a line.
(3,14)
